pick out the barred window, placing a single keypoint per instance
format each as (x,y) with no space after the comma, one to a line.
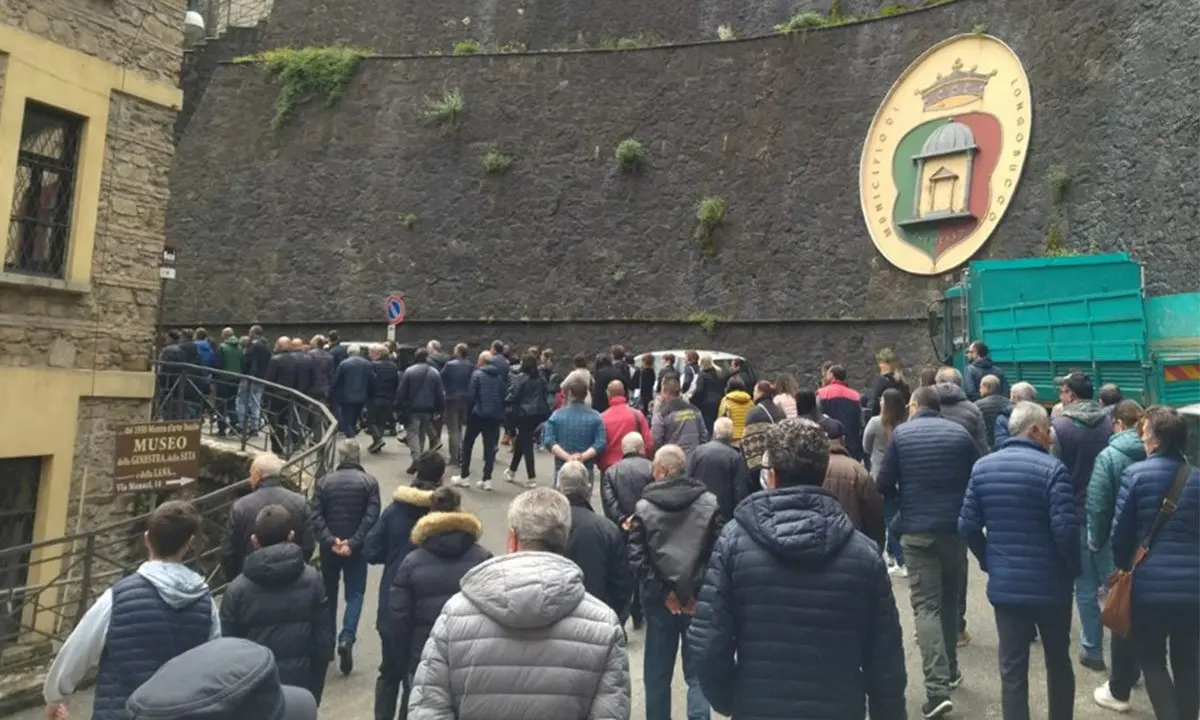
(39,229)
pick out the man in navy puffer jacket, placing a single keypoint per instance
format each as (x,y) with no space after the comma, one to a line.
(485,413)
(1024,498)
(927,464)
(1166,587)
(796,615)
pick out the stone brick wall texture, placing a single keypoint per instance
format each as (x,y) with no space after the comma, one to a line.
(775,126)
(413,27)
(112,327)
(200,62)
(145,36)
(93,502)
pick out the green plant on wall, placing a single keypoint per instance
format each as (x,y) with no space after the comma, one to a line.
(446,110)
(496,162)
(706,320)
(801,22)
(407,220)
(835,9)
(979,28)
(466,47)
(893,9)
(306,74)
(514,46)
(630,154)
(710,213)
(1058,185)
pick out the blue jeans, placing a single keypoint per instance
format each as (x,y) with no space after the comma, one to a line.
(249,404)
(890,509)
(348,416)
(1087,599)
(664,633)
(353,570)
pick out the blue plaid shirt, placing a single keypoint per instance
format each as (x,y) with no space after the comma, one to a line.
(575,428)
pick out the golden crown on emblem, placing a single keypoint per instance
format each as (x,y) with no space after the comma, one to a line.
(960,87)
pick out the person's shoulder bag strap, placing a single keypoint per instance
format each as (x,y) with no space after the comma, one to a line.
(1169,503)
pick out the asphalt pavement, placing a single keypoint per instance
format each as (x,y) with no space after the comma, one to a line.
(352,697)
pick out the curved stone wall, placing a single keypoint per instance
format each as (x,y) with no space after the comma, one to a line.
(419,27)
(311,220)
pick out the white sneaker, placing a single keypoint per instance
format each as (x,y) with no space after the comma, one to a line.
(1104,698)
(898,571)
(485,485)
(510,477)
(461,481)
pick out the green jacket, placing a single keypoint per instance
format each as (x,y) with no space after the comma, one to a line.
(1124,449)
(231,355)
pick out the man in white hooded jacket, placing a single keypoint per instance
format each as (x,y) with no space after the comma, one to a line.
(552,651)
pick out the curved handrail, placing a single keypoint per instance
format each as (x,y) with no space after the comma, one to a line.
(74,569)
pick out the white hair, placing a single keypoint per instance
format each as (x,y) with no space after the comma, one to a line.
(723,429)
(434,346)
(671,459)
(267,464)
(706,361)
(1022,392)
(573,480)
(633,443)
(541,520)
(1025,416)
(353,350)
(349,452)
(949,375)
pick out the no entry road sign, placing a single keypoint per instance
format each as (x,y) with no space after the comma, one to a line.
(393,310)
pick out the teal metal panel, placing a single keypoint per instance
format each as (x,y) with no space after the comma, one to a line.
(1173,320)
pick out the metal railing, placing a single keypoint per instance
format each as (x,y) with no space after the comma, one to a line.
(46,586)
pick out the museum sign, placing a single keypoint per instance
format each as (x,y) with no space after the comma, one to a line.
(154,456)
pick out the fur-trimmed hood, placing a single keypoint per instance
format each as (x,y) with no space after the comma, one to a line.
(412,496)
(441,523)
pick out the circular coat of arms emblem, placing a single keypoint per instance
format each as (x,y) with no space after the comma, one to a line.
(944,154)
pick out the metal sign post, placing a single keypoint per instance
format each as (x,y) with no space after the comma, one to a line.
(393,312)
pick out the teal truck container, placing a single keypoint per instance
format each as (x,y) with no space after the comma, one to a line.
(1042,317)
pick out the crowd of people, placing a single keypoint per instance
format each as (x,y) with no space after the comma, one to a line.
(749,527)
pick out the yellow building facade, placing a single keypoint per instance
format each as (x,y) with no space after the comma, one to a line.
(88,98)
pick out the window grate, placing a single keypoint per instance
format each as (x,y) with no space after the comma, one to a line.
(39,227)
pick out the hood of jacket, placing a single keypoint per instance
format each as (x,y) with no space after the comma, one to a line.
(674,494)
(799,523)
(984,364)
(275,565)
(949,393)
(739,397)
(447,534)
(525,590)
(412,495)
(1084,412)
(1129,444)
(178,585)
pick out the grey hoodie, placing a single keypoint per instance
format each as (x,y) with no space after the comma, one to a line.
(956,407)
(176,584)
(523,641)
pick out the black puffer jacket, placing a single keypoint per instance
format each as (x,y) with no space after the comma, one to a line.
(709,389)
(270,491)
(390,541)
(447,548)
(527,396)
(345,505)
(387,380)
(598,548)
(806,605)
(279,602)
(622,486)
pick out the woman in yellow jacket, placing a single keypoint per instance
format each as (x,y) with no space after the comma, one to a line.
(735,405)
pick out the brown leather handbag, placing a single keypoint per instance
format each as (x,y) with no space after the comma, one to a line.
(1117,613)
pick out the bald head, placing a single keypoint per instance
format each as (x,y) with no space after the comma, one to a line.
(616,388)
(283,343)
(669,461)
(297,343)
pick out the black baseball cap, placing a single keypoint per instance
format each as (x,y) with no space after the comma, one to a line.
(1078,383)
(223,679)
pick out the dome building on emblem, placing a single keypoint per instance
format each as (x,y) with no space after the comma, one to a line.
(943,177)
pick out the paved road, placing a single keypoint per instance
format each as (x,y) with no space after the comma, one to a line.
(351,697)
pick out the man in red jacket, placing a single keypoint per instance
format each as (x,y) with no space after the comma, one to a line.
(620,420)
